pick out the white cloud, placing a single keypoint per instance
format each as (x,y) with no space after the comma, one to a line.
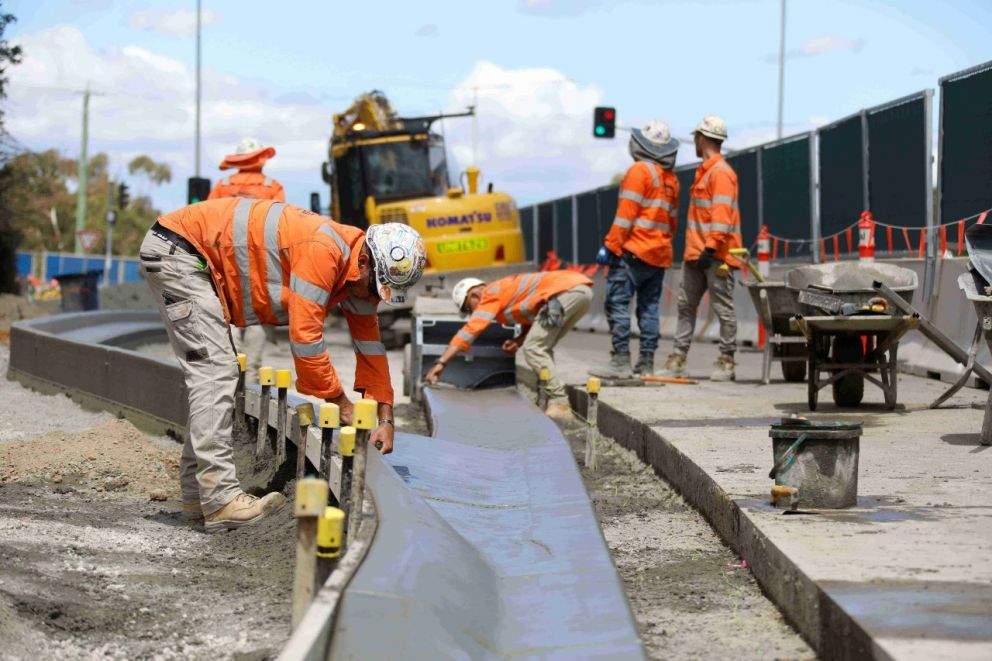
(176,23)
(427,30)
(146,105)
(820,46)
(535,132)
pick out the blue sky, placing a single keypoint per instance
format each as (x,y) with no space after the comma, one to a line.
(279,70)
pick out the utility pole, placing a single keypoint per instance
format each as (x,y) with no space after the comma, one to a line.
(82,179)
(475,126)
(781,73)
(197,158)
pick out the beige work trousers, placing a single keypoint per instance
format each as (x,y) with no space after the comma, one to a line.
(539,347)
(695,282)
(251,342)
(201,340)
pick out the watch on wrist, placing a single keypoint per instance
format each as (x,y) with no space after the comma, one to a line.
(440,362)
(386,421)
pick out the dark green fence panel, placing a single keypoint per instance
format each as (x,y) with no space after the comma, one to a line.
(590,227)
(842,178)
(897,163)
(745,164)
(545,232)
(563,229)
(527,228)
(785,179)
(966,143)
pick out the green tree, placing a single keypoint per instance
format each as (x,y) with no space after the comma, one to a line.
(9,238)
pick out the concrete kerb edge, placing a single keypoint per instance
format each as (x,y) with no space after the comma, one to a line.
(826,626)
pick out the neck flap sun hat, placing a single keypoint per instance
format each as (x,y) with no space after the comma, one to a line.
(656,139)
(400,257)
(249,154)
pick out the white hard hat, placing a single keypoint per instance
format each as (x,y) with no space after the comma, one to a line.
(464,286)
(400,257)
(248,145)
(656,138)
(712,127)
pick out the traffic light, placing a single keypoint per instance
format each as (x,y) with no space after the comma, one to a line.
(123,197)
(604,122)
(197,190)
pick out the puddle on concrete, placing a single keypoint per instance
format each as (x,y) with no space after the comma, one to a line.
(917,609)
(682,423)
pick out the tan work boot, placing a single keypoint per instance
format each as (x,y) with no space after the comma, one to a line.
(675,365)
(244,510)
(192,512)
(560,412)
(723,368)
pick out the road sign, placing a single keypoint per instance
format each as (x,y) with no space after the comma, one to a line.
(88,239)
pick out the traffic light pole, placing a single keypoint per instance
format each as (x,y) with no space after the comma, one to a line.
(111,218)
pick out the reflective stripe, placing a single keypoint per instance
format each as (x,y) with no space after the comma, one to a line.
(311,292)
(273,265)
(369,347)
(725,199)
(226,181)
(630,195)
(465,335)
(344,247)
(622,222)
(722,227)
(524,309)
(651,224)
(710,227)
(698,226)
(482,314)
(241,256)
(664,204)
(268,181)
(520,289)
(307,350)
(358,305)
(701,203)
(654,173)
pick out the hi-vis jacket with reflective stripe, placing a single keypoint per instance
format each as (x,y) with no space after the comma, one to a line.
(647,214)
(248,183)
(515,299)
(277,264)
(714,219)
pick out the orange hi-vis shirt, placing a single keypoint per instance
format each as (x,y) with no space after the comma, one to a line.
(515,299)
(714,220)
(647,214)
(248,183)
(276,264)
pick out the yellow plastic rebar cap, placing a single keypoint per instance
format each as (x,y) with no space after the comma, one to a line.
(311,497)
(242,362)
(265,376)
(545,374)
(284,378)
(593,385)
(330,530)
(346,441)
(366,411)
(330,415)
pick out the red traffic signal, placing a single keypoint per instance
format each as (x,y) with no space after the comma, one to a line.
(604,122)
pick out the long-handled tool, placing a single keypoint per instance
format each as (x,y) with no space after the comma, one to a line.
(668,379)
(746,254)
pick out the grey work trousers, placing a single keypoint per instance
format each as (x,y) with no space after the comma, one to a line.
(250,341)
(539,347)
(201,340)
(695,282)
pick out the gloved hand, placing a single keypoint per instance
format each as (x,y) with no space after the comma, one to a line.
(705,259)
(603,256)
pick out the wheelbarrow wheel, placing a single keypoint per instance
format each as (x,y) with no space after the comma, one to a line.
(793,371)
(848,390)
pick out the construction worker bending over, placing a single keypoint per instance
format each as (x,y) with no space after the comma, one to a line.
(249,158)
(243,261)
(713,228)
(546,305)
(638,247)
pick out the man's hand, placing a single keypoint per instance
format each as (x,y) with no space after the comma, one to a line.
(511,346)
(382,438)
(434,373)
(347,409)
(705,259)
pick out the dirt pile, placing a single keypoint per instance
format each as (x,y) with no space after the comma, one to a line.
(14,308)
(112,457)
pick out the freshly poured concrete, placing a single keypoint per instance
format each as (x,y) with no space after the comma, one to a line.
(905,574)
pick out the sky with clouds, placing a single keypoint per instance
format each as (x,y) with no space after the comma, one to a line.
(535,68)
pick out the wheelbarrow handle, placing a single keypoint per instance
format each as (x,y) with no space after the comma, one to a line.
(787,457)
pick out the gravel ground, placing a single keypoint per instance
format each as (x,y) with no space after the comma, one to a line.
(690,594)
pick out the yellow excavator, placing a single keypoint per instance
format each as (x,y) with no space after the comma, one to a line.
(385,168)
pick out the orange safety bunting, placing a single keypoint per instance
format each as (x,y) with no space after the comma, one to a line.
(774,248)
(981,219)
(960,237)
(823,250)
(943,240)
(888,238)
(786,248)
(905,235)
(836,248)
(923,241)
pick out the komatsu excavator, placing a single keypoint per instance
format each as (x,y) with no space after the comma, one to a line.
(384,168)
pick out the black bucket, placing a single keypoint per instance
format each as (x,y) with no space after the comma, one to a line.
(80,291)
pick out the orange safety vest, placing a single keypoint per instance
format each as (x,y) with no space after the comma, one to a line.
(647,214)
(248,183)
(714,220)
(515,299)
(276,264)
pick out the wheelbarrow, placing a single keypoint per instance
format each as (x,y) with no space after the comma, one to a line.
(776,305)
(851,333)
(976,292)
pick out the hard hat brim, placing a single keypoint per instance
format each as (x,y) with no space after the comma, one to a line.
(653,148)
(709,134)
(255,158)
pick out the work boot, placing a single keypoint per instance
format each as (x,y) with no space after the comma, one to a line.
(723,368)
(675,365)
(645,364)
(560,412)
(244,510)
(192,512)
(618,368)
